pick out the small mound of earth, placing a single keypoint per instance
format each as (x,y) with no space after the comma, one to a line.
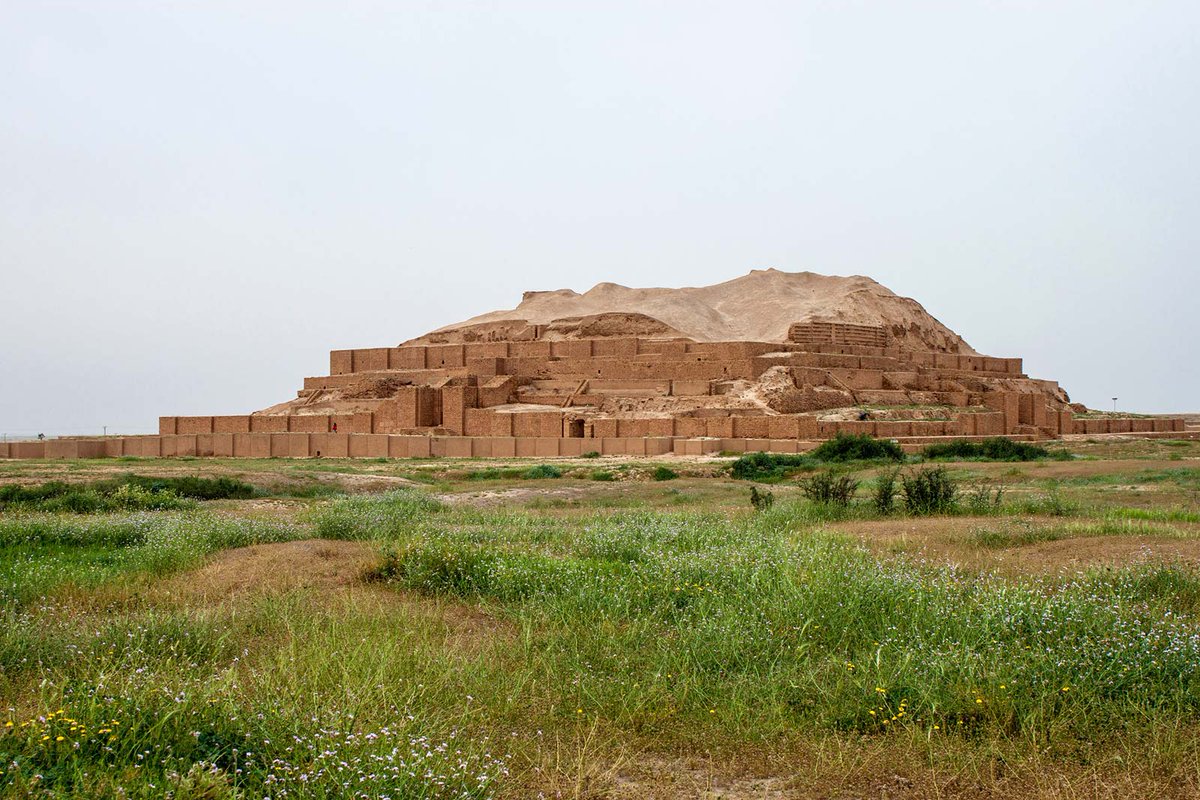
(760,306)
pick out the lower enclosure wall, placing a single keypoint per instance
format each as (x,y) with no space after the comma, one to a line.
(379,445)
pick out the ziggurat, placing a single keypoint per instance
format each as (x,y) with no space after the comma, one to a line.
(519,388)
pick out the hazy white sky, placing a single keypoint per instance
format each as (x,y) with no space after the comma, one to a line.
(199,199)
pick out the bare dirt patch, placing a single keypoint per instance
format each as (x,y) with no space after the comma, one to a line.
(275,568)
(333,573)
(513,496)
(953,540)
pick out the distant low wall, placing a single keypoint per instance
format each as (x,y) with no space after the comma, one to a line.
(768,438)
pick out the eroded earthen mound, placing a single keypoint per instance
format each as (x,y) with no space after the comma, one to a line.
(757,307)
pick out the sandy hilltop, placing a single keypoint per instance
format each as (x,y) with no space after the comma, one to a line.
(758,306)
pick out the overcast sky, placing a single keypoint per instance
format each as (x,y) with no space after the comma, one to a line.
(198,200)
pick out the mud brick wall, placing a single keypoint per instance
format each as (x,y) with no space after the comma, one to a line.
(231,424)
(261,423)
(445,356)
(411,407)
(604,428)
(316,423)
(485,367)
(478,422)
(615,348)
(372,359)
(341,362)
(535,424)
(406,358)
(835,333)
(1008,403)
(455,401)
(486,350)
(572,349)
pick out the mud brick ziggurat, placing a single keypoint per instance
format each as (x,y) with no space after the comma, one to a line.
(634,372)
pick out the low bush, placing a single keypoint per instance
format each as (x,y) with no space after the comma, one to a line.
(929,491)
(494,473)
(664,474)
(89,498)
(127,493)
(195,487)
(857,447)
(542,471)
(996,448)
(886,488)
(761,499)
(603,475)
(767,467)
(984,498)
(828,487)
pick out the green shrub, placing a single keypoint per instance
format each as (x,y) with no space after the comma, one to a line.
(90,498)
(983,498)
(886,488)
(494,473)
(664,474)
(995,448)
(195,487)
(542,471)
(827,487)
(929,491)
(766,466)
(857,447)
(603,475)
(761,499)
(129,492)
(591,454)
(1051,504)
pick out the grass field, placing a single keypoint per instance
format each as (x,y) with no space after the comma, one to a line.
(604,628)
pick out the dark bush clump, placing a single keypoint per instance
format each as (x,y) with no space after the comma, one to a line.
(664,474)
(191,486)
(766,466)
(542,471)
(996,448)
(885,491)
(857,447)
(494,473)
(127,493)
(603,475)
(929,491)
(591,454)
(761,500)
(829,488)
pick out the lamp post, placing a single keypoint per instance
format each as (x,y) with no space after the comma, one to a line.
(1114,405)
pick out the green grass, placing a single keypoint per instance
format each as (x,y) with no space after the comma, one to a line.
(748,628)
(127,493)
(518,650)
(842,449)
(40,554)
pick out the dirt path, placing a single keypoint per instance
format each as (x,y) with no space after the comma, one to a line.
(319,564)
